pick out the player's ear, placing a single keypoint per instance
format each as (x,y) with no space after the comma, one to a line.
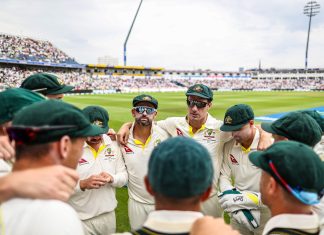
(133,112)
(206,194)
(64,146)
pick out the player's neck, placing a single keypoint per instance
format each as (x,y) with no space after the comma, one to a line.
(141,133)
(32,163)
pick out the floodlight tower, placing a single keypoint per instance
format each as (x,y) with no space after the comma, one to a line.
(130,30)
(310,9)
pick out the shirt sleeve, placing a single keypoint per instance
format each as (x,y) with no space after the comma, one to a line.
(121,176)
(225,180)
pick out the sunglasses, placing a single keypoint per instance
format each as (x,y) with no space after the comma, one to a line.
(142,109)
(306,197)
(26,135)
(198,104)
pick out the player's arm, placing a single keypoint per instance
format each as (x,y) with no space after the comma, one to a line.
(7,151)
(54,182)
(123,133)
(121,176)
(225,180)
(265,139)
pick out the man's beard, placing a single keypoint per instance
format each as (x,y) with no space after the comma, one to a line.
(143,121)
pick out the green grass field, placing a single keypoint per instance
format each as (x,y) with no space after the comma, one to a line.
(173,104)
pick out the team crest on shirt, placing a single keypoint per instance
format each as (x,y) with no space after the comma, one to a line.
(128,150)
(109,154)
(233,160)
(179,132)
(82,161)
(209,133)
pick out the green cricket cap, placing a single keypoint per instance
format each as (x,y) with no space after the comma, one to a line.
(236,117)
(317,117)
(180,168)
(13,99)
(45,83)
(200,90)
(49,120)
(295,162)
(97,116)
(296,126)
(145,98)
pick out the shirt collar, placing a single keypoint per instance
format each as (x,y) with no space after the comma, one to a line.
(171,221)
(292,221)
(254,144)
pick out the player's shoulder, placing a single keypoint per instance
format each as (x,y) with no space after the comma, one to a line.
(159,132)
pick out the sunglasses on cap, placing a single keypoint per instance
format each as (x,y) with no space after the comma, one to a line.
(142,109)
(306,197)
(26,135)
(198,104)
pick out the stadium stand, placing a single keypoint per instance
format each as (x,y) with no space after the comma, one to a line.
(23,56)
(29,49)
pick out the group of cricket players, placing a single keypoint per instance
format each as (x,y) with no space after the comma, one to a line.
(60,167)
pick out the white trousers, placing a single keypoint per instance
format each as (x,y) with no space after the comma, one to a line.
(137,213)
(101,224)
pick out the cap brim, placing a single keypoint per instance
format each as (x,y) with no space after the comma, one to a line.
(199,95)
(91,130)
(227,128)
(63,90)
(135,103)
(267,127)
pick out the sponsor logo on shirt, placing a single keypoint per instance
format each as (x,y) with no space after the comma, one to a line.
(128,150)
(179,132)
(82,161)
(233,160)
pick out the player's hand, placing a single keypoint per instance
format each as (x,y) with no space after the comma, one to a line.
(54,182)
(93,182)
(211,226)
(123,133)
(265,139)
(234,200)
(249,218)
(7,150)
(109,178)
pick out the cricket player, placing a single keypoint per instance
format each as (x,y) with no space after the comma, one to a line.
(178,192)
(46,84)
(236,168)
(287,190)
(46,133)
(144,136)
(101,170)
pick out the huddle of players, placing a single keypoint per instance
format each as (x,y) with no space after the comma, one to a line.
(104,165)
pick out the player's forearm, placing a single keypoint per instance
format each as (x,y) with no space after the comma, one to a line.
(7,190)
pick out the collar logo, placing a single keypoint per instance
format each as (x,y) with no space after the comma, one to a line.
(146,98)
(198,89)
(128,150)
(97,123)
(228,120)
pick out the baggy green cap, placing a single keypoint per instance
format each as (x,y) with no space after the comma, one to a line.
(97,116)
(317,117)
(45,83)
(296,126)
(236,117)
(13,99)
(145,98)
(51,116)
(180,168)
(295,162)
(200,90)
